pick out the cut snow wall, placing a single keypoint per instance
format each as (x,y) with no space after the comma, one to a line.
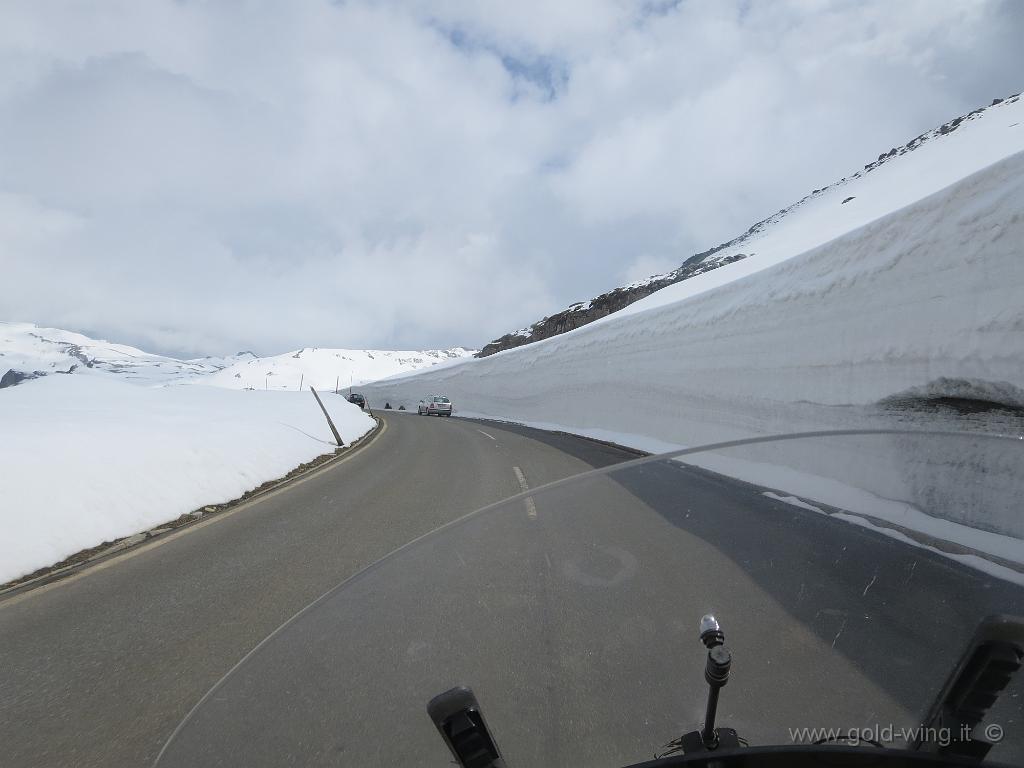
(931,291)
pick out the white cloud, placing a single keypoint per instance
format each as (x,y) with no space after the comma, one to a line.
(645,266)
(211,177)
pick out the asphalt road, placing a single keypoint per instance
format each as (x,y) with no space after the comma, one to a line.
(98,669)
(572,615)
(574,618)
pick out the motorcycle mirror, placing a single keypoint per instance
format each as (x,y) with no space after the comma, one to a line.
(458,718)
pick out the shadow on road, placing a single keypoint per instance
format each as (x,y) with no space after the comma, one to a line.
(901,614)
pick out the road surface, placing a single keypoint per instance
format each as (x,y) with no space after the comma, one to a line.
(558,624)
(98,669)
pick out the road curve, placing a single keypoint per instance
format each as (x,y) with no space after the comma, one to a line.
(572,613)
(98,669)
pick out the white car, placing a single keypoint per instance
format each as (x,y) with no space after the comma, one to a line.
(435,405)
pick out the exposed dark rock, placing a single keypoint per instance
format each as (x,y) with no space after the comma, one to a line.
(68,348)
(12,378)
(852,197)
(580,314)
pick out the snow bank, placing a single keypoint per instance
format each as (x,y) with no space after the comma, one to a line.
(87,459)
(927,293)
(101,440)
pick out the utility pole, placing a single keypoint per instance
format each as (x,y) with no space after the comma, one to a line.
(328,416)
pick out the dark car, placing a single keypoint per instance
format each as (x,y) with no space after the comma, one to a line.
(357,399)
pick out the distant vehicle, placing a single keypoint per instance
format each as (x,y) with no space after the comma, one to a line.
(435,405)
(357,399)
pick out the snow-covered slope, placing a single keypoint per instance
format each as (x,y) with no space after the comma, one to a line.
(115,444)
(28,349)
(31,351)
(896,179)
(917,292)
(327,368)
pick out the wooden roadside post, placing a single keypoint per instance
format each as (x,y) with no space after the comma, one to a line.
(334,429)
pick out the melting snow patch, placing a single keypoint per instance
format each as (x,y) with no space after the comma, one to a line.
(794,501)
(973,561)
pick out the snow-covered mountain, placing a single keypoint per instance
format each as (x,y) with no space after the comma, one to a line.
(28,351)
(328,368)
(898,177)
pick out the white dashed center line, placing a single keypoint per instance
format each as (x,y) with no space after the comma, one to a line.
(486,435)
(531,508)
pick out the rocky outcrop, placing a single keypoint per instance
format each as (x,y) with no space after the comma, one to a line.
(12,378)
(587,312)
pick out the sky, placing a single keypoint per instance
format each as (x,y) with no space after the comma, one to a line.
(201,178)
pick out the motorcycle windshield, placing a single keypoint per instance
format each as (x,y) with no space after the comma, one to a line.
(848,574)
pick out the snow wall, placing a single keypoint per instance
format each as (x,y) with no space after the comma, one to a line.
(930,297)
